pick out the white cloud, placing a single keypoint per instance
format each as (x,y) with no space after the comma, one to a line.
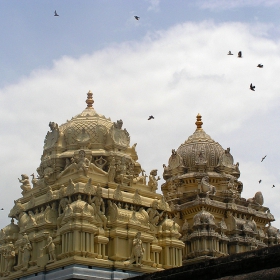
(172,74)
(154,5)
(231,4)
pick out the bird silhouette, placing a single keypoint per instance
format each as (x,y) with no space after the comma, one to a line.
(252,87)
(263,158)
(56,14)
(229,53)
(150,117)
(273,186)
(2,208)
(260,65)
(137,18)
(239,54)
(260,181)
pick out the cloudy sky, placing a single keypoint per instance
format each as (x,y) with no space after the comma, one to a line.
(172,63)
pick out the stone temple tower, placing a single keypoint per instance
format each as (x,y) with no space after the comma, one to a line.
(204,194)
(91,212)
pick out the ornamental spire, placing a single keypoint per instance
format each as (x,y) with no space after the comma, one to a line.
(198,122)
(89,100)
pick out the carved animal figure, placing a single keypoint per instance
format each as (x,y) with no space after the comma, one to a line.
(137,251)
(34,181)
(206,187)
(257,199)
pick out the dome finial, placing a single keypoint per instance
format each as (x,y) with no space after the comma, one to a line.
(89,100)
(198,122)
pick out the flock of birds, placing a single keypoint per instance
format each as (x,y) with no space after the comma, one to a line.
(239,55)
(273,186)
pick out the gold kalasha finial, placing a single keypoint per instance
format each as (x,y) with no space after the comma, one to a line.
(89,100)
(198,122)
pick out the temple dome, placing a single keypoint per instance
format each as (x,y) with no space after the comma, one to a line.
(200,148)
(87,130)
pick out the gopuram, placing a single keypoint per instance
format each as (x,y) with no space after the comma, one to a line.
(204,194)
(91,212)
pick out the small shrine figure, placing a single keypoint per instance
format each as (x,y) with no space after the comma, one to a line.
(137,251)
(99,205)
(50,247)
(25,183)
(185,226)
(26,252)
(153,180)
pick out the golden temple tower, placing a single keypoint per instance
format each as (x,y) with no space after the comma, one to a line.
(91,211)
(204,194)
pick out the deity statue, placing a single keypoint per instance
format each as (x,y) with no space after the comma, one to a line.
(26,250)
(50,247)
(10,256)
(153,180)
(153,213)
(137,251)
(112,170)
(124,175)
(82,163)
(25,183)
(98,204)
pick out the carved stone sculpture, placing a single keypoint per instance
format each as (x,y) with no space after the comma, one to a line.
(82,163)
(175,160)
(98,204)
(137,251)
(123,173)
(206,187)
(26,252)
(50,248)
(112,170)
(10,256)
(25,183)
(34,181)
(257,199)
(153,180)
(153,213)
(52,136)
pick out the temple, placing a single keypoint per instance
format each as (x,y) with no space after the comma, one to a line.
(92,212)
(204,194)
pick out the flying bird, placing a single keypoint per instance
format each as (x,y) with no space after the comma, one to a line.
(273,186)
(56,14)
(252,87)
(260,181)
(260,66)
(137,18)
(239,54)
(2,208)
(229,53)
(150,117)
(263,158)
